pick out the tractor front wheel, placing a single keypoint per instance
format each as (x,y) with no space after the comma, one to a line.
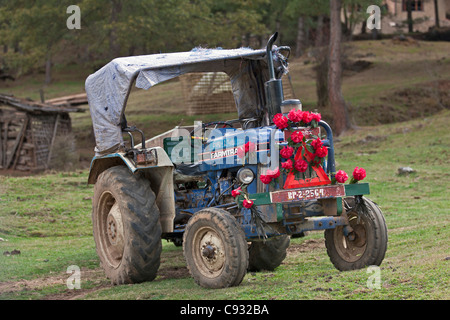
(215,249)
(365,245)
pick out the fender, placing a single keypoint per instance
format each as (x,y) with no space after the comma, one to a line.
(159,175)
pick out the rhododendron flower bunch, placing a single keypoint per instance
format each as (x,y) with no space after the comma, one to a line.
(243,151)
(269,176)
(358,175)
(246,203)
(296,139)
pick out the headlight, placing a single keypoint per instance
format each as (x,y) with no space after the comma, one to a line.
(245,176)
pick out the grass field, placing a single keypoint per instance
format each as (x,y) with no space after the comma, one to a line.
(47,216)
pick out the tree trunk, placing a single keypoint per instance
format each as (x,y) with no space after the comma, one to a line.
(114,46)
(409,19)
(319,32)
(321,70)
(339,110)
(48,68)
(436,13)
(300,36)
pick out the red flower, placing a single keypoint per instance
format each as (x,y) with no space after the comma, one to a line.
(287,152)
(316,144)
(280,121)
(322,152)
(273,174)
(295,115)
(236,192)
(241,152)
(297,136)
(249,147)
(301,165)
(247,203)
(306,117)
(316,116)
(359,174)
(341,176)
(266,179)
(287,164)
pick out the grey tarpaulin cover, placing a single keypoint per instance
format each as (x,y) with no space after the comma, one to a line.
(108,88)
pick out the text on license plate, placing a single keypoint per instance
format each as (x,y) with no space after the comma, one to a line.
(308,193)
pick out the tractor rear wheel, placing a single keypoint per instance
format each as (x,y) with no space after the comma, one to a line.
(366,245)
(127,231)
(215,249)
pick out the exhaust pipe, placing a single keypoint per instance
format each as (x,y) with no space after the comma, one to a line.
(273,87)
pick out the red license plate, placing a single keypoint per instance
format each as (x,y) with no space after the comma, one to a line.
(311,193)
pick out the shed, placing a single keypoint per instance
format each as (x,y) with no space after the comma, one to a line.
(29,132)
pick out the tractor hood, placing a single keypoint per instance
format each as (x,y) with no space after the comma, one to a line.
(108,88)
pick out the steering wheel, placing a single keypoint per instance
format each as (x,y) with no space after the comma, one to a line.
(206,126)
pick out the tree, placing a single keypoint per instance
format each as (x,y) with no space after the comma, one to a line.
(341,120)
(409,15)
(436,13)
(36,27)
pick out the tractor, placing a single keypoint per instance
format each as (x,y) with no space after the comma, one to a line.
(232,193)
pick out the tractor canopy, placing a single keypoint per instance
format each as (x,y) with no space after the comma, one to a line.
(108,88)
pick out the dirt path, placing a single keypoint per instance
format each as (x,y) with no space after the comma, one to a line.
(95,276)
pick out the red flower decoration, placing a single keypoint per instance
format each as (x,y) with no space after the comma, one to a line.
(295,115)
(297,136)
(236,192)
(287,152)
(249,147)
(266,179)
(287,164)
(247,203)
(241,152)
(322,152)
(301,165)
(316,144)
(307,117)
(316,116)
(273,174)
(359,174)
(341,176)
(280,121)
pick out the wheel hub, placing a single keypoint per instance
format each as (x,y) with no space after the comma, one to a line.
(211,251)
(114,229)
(352,246)
(208,251)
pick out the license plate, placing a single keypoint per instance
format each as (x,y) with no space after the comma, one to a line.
(311,193)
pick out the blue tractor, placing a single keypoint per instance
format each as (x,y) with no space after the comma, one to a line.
(220,189)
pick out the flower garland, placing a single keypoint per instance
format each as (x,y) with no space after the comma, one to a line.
(313,147)
(261,226)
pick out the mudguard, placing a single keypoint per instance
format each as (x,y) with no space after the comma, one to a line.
(160,176)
